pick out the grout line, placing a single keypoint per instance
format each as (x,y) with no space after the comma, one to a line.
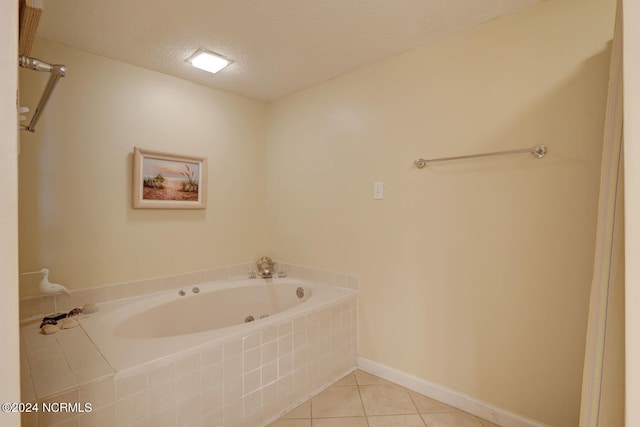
(414,405)
(367,416)
(364,411)
(332,418)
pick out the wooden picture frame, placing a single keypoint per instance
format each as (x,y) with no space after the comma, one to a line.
(168,181)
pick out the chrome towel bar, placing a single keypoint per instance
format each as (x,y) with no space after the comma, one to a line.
(539,151)
(57,71)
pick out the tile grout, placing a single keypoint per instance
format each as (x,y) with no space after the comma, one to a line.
(367,416)
(417,411)
(364,411)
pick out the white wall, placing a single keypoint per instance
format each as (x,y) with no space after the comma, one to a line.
(9,353)
(475,274)
(632,206)
(76,215)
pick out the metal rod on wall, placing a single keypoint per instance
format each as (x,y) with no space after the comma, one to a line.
(57,71)
(539,151)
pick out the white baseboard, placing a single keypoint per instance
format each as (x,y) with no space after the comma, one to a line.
(453,398)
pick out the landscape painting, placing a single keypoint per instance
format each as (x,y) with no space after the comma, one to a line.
(168,181)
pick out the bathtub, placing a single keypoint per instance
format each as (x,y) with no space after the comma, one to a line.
(188,358)
(148,330)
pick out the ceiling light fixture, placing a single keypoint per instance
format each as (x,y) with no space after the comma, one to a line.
(208,61)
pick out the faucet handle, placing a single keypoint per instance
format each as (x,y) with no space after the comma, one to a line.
(252,274)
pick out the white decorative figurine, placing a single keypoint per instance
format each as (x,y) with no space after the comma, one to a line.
(46,287)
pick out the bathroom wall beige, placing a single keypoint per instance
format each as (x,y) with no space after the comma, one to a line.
(475,274)
(632,208)
(76,215)
(10,352)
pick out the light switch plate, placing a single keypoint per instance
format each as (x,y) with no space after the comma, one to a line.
(378,191)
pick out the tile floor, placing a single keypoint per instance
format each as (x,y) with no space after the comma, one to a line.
(364,400)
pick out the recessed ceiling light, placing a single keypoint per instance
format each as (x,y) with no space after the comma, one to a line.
(208,61)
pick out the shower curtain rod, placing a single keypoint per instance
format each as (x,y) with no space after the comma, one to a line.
(539,151)
(57,71)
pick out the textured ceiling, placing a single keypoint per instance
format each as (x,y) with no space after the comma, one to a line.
(278,46)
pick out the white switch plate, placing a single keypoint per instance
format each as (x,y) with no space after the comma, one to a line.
(378,191)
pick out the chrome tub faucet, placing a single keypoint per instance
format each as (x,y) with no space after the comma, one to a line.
(266,267)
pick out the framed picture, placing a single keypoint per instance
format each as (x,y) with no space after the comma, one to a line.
(168,181)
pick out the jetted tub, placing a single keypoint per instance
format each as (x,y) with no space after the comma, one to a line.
(194,312)
(136,331)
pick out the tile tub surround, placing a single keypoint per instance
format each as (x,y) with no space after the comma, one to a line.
(361,399)
(33,308)
(54,363)
(248,380)
(129,333)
